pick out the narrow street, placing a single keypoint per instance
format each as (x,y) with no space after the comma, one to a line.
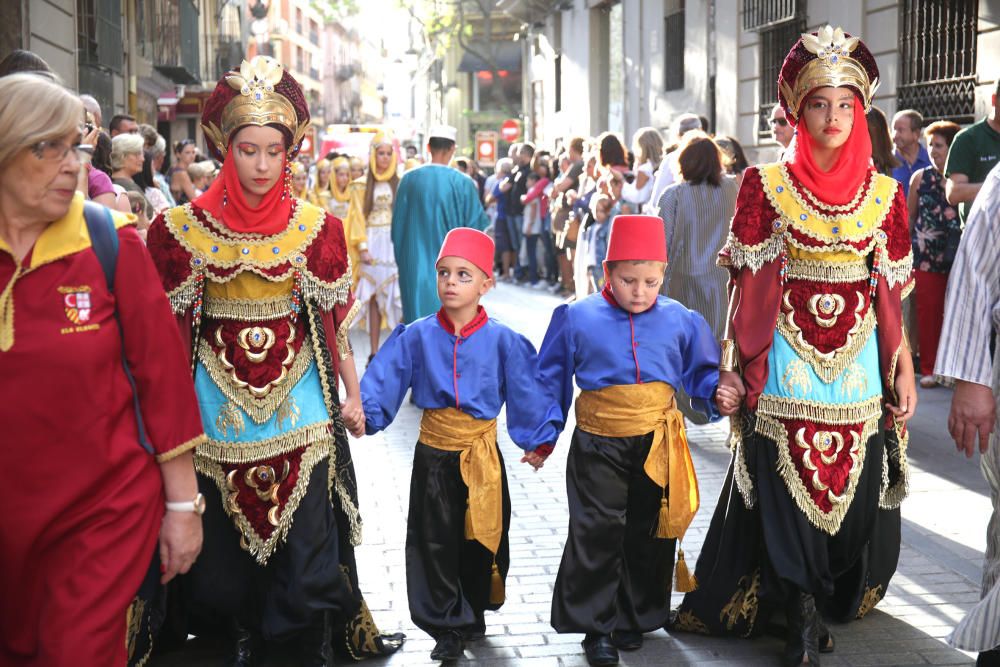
(944,522)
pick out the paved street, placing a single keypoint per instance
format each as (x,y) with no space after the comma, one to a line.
(937,580)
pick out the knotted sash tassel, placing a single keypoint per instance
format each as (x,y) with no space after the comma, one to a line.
(498,592)
(684,581)
(663,520)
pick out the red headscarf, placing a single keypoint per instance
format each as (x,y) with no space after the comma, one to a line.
(225,201)
(841,182)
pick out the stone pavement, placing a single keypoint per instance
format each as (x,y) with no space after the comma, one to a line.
(937,580)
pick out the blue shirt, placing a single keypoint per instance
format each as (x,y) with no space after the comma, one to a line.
(904,171)
(603,345)
(486,365)
(501,201)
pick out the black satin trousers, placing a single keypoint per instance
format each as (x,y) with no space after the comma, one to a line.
(447,576)
(614,574)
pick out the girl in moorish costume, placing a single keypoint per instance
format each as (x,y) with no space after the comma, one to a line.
(260,284)
(820,259)
(320,193)
(369,225)
(340,201)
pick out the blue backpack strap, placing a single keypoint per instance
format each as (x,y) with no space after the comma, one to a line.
(104,241)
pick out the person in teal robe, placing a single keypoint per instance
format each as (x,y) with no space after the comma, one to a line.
(430,201)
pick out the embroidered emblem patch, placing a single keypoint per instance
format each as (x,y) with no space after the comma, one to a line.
(76,303)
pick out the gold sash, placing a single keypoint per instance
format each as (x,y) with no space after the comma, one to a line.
(452,430)
(621,411)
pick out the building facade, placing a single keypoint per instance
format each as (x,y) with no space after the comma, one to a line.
(627,64)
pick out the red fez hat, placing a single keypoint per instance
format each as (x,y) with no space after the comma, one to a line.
(470,244)
(638,238)
(827,57)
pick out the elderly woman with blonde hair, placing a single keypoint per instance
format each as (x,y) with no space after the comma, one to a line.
(98,408)
(126,160)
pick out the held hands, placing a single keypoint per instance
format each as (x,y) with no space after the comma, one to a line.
(354,415)
(180,543)
(535,459)
(973,416)
(730,393)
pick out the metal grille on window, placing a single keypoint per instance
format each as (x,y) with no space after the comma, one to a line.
(937,63)
(775,43)
(99,36)
(673,32)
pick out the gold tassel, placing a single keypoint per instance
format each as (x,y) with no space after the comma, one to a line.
(684,581)
(498,592)
(469,535)
(662,531)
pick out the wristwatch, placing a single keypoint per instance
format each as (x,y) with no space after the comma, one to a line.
(197,505)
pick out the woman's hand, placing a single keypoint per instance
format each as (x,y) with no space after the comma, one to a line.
(180,543)
(730,393)
(366,257)
(90,139)
(354,415)
(905,386)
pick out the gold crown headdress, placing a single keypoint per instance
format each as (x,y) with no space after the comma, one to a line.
(834,63)
(256,102)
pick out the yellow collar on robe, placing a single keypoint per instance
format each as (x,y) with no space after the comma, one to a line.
(66,236)
(871,207)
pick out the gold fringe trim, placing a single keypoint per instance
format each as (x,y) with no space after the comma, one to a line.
(259,548)
(823,413)
(827,272)
(182,297)
(830,246)
(248,310)
(335,485)
(828,522)
(258,409)
(181,449)
(343,331)
(251,451)
(893,496)
(754,256)
(323,294)
(741,474)
(899,271)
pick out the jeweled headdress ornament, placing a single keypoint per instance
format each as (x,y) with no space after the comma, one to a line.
(261,93)
(828,57)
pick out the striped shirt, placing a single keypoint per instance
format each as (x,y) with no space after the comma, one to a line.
(972,304)
(696,221)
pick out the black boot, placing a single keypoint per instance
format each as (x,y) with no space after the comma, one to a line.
(802,641)
(600,650)
(247,647)
(314,645)
(448,647)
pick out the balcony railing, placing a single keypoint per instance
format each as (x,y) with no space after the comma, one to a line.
(175,48)
(223,53)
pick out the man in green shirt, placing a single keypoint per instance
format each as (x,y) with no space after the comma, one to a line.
(973,153)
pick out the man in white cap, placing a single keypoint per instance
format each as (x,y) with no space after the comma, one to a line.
(431,200)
